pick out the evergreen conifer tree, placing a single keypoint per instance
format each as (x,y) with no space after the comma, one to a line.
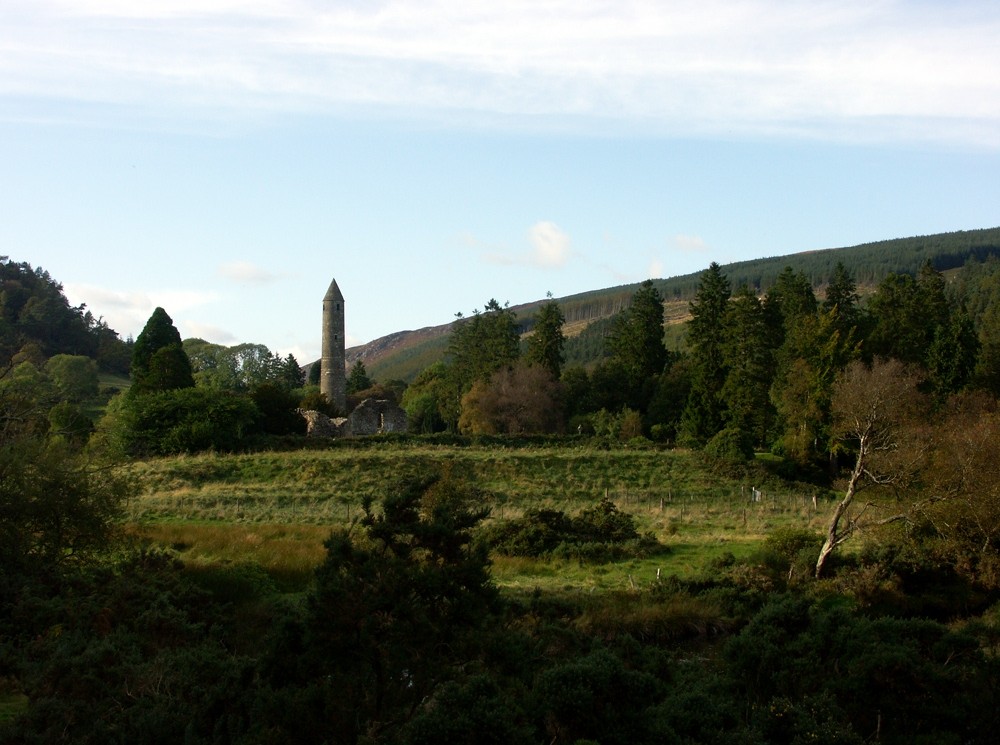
(358,380)
(703,414)
(636,339)
(842,298)
(749,367)
(159,362)
(546,345)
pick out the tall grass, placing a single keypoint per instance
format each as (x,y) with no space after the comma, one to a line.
(275,508)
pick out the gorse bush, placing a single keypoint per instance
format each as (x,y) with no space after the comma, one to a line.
(598,533)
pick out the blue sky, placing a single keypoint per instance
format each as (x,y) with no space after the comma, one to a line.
(225,160)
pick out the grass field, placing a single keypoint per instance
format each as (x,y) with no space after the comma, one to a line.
(274,509)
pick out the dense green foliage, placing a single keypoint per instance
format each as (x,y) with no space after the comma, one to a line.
(242,367)
(703,414)
(599,533)
(358,380)
(159,362)
(34,313)
(482,344)
(185,420)
(55,507)
(868,264)
(547,343)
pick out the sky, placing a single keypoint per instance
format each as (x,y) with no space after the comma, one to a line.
(225,159)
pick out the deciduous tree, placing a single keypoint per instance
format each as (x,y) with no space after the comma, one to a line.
(878,413)
(479,346)
(961,486)
(523,399)
(75,376)
(426,398)
(54,507)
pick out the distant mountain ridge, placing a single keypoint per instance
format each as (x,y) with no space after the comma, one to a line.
(403,354)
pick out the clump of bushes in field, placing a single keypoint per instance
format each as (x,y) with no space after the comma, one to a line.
(597,534)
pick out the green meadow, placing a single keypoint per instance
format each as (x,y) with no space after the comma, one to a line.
(274,509)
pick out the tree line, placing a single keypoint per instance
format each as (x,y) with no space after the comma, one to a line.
(755,373)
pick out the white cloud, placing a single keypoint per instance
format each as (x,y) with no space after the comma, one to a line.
(688,243)
(550,248)
(828,68)
(551,245)
(655,269)
(179,301)
(213,334)
(243,271)
(127,312)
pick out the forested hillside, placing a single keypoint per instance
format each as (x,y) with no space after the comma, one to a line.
(37,320)
(587,314)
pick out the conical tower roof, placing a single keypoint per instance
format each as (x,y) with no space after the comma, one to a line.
(334,292)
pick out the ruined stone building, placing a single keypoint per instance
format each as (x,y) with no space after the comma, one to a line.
(371,416)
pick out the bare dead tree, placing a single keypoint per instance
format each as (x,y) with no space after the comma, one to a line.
(880,414)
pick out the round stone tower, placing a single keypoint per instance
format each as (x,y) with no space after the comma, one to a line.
(333,373)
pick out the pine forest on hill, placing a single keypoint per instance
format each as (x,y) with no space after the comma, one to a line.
(406,353)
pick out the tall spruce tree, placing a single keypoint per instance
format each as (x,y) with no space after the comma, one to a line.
(547,344)
(842,300)
(906,314)
(790,299)
(636,340)
(358,380)
(703,414)
(951,359)
(635,346)
(813,354)
(749,366)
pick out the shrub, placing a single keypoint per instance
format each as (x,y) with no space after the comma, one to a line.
(908,680)
(185,420)
(731,444)
(599,534)
(278,409)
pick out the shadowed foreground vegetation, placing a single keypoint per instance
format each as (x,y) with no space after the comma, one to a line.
(421,593)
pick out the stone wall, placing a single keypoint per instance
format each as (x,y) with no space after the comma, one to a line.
(319,424)
(371,417)
(377,416)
